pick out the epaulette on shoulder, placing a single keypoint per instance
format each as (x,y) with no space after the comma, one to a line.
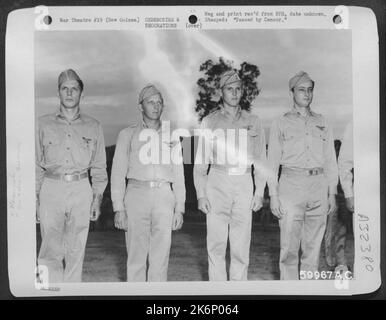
(46,117)
(211,115)
(130,127)
(287,114)
(316,115)
(133,125)
(213,112)
(248,113)
(88,118)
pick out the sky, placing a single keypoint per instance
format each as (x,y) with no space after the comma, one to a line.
(116,65)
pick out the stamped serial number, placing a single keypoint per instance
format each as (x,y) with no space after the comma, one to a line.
(325,275)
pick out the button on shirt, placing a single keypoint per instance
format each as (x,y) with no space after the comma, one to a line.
(302,142)
(346,162)
(133,158)
(70,147)
(222,146)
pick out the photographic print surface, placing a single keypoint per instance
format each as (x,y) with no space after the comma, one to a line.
(118,72)
(115,65)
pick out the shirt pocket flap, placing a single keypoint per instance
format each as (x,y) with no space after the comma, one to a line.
(51,139)
(319,132)
(88,142)
(290,133)
(252,133)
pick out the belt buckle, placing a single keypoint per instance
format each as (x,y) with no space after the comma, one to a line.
(231,171)
(235,171)
(155,184)
(313,172)
(71,177)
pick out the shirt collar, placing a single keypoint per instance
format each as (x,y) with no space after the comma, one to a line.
(228,115)
(59,114)
(144,125)
(298,114)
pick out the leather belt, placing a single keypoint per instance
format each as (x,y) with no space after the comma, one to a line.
(149,184)
(67,177)
(232,170)
(306,171)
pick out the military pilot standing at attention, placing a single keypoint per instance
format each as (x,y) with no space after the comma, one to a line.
(301,141)
(225,195)
(68,144)
(152,204)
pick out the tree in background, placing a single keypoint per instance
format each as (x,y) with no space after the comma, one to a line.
(209,94)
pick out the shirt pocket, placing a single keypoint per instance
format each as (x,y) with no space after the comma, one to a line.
(319,134)
(52,147)
(290,134)
(292,141)
(88,145)
(319,138)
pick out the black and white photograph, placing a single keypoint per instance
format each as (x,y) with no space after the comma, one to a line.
(207,156)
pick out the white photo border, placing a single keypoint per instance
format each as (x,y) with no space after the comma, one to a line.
(20,120)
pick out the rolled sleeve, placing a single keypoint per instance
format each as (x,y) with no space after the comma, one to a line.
(274,157)
(98,165)
(119,170)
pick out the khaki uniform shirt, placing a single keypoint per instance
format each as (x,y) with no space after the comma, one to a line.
(70,147)
(254,152)
(128,163)
(302,142)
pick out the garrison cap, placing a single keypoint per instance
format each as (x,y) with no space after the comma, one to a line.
(299,78)
(66,75)
(228,77)
(148,91)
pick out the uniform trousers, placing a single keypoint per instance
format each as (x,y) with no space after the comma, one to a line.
(148,237)
(64,223)
(305,202)
(230,198)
